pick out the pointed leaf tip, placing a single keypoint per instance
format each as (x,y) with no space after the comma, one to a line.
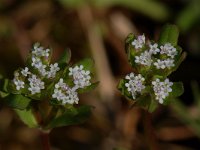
(169,34)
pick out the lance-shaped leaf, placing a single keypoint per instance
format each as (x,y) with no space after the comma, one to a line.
(71,117)
(27,116)
(3,94)
(169,34)
(65,57)
(121,87)
(17,101)
(87,63)
(177,90)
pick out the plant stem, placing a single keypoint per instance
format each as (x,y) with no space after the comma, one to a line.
(45,140)
(150,136)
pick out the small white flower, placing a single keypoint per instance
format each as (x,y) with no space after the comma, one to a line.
(36,62)
(154,48)
(60,84)
(162,89)
(134,84)
(65,94)
(34,89)
(130,76)
(169,50)
(25,71)
(169,63)
(81,77)
(42,70)
(139,42)
(53,70)
(71,98)
(160,64)
(46,53)
(39,51)
(58,95)
(35,84)
(144,59)
(19,84)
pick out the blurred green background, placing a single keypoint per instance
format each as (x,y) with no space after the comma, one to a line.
(97,29)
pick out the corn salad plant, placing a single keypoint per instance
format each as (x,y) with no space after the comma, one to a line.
(153,62)
(45,95)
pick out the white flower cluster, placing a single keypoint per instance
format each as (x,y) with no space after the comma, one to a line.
(144,59)
(147,58)
(162,89)
(65,94)
(37,53)
(35,83)
(139,42)
(134,84)
(81,77)
(18,83)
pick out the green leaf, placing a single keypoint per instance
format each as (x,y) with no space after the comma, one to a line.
(121,87)
(189,16)
(3,94)
(88,88)
(66,57)
(27,116)
(177,89)
(153,105)
(128,41)
(169,34)
(143,101)
(5,85)
(156,9)
(17,101)
(87,63)
(179,61)
(71,117)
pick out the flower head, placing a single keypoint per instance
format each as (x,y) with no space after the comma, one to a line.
(134,84)
(161,89)
(53,70)
(19,84)
(144,59)
(162,64)
(39,51)
(139,42)
(65,94)
(25,72)
(154,48)
(81,77)
(36,62)
(168,49)
(36,85)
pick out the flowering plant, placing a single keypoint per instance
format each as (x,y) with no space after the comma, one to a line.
(45,95)
(153,61)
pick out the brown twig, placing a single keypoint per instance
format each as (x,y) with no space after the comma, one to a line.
(45,140)
(150,136)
